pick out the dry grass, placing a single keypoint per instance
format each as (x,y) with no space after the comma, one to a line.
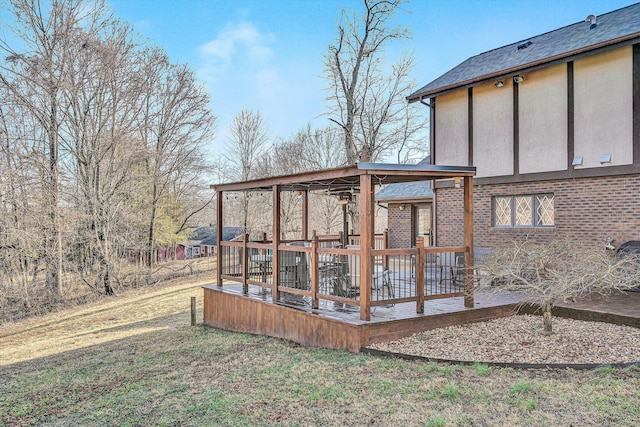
(15,304)
(134,360)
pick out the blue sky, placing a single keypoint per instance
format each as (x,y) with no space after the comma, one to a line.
(266,55)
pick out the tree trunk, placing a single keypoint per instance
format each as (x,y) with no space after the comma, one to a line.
(54,243)
(152,227)
(546,318)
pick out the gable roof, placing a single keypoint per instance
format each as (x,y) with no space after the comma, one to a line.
(207,236)
(407,190)
(622,25)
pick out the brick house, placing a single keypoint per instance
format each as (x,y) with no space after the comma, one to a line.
(552,124)
(409,211)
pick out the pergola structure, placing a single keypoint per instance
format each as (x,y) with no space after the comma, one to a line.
(362,179)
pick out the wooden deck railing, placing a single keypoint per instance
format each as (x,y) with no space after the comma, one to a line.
(319,271)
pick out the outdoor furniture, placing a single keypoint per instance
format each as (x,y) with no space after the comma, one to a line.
(303,273)
(335,278)
(288,264)
(458,269)
(261,263)
(381,280)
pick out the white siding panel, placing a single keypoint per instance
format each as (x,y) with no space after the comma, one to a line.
(543,120)
(493,129)
(604,107)
(452,134)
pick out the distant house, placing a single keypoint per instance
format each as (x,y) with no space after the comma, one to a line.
(552,124)
(410,211)
(203,243)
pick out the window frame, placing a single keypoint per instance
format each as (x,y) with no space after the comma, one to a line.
(534,205)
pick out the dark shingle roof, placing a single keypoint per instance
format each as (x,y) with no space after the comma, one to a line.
(407,190)
(613,27)
(207,235)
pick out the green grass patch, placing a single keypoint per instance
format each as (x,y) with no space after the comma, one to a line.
(179,375)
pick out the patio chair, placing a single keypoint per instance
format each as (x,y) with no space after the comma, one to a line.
(303,274)
(458,269)
(381,280)
(344,279)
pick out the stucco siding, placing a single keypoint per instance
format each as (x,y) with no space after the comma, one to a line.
(452,135)
(542,106)
(493,129)
(604,107)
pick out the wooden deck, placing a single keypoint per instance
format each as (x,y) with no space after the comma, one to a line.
(336,325)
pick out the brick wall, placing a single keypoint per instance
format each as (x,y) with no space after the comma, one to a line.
(586,210)
(399,226)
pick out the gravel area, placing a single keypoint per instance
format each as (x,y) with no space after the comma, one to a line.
(519,339)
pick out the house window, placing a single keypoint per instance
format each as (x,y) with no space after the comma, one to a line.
(523,211)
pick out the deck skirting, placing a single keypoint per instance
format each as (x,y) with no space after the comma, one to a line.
(317,328)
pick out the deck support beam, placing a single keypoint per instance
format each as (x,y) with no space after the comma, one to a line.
(468,241)
(275,263)
(305,215)
(218,238)
(366,244)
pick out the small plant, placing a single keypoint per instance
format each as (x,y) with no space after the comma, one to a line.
(450,391)
(528,404)
(481,369)
(447,370)
(521,388)
(557,271)
(606,369)
(436,422)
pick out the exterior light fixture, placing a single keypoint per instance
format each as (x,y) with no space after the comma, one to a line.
(518,79)
(401,207)
(605,159)
(499,83)
(456,181)
(577,161)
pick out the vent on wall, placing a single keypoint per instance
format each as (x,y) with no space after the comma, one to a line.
(525,45)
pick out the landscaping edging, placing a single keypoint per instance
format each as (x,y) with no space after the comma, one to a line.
(575,366)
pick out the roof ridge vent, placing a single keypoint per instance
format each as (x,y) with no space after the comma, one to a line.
(524,45)
(592,21)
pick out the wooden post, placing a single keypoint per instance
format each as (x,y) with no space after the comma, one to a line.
(245,264)
(366,244)
(219,238)
(193,311)
(468,241)
(420,274)
(385,240)
(275,264)
(305,215)
(314,271)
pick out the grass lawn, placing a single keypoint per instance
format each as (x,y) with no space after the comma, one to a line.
(134,360)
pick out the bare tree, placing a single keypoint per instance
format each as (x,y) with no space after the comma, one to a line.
(365,102)
(101,147)
(247,145)
(100,103)
(175,125)
(559,271)
(37,72)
